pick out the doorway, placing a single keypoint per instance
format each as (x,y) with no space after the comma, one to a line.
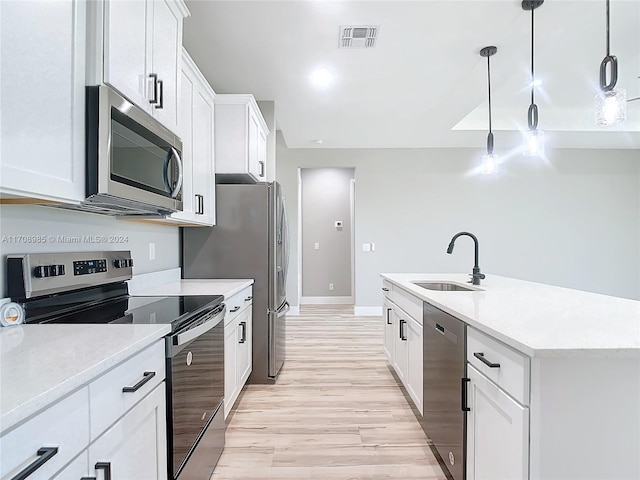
(326,236)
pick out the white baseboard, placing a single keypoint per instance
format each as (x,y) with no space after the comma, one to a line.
(326,300)
(293,311)
(367,311)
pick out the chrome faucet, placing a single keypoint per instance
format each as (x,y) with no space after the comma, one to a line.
(476,276)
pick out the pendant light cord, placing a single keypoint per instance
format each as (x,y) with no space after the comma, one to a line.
(608,50)
(489,84)
(532,74)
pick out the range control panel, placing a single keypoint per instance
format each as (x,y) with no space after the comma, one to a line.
(85,267)
(37,274)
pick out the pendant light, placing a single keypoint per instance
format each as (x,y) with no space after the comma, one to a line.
(490,160)
(534,138)
(611,103)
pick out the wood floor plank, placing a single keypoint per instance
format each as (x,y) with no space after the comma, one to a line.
(336,412)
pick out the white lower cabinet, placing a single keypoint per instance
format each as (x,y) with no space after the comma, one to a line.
(403,344)
(135,447)
(497,432)
(98,431)
(238,344)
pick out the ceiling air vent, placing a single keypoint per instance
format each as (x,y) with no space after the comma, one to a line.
(360,36)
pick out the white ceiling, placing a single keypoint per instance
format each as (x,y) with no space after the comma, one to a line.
(424,84)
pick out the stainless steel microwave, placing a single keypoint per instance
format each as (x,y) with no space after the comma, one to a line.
(133,162)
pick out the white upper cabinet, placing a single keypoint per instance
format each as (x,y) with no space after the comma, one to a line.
(195,127)
(140,44)
(42,93)
(241,138)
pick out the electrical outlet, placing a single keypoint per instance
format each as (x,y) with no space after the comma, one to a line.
(152,251)
(366,247)
(331,287)
(373,247)
(316,246)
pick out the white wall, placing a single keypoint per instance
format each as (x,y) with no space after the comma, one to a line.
(18,222)
(573,221)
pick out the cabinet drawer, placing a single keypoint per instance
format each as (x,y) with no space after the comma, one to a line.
(64,425)
(512,374)
(409,303)
(237,303)
(109,402)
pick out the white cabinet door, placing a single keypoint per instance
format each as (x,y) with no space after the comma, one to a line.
(262,155)
(185,131)
(401,347)
(203,168)
(388,328)
(136,446)
(42,93)
(253,129)
(414,364)
(497,432)
(126,49)
(230,365)
(244,347)
(76,470)
(166,40)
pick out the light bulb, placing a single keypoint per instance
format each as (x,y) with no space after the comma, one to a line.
(611,107)
(533,143)
(489,164)
(321,77)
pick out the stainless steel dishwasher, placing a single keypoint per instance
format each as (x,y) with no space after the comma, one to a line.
(444,360)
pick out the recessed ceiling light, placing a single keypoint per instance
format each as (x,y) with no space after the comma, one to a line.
(321,77)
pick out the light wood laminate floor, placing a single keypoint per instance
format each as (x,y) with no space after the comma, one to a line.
(335,413)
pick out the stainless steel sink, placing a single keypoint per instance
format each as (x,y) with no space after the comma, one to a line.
(444,286)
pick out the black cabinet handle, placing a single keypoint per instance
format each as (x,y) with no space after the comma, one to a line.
(146,376)
(89,478)
(480,356)
(384,289)
(200,202)
(154,77)
(261,168)
(160,104)
(243,337)
(402,334)
(106,466)
(234,309)
(248,299)
(389,316)
(463,392)
(44,455)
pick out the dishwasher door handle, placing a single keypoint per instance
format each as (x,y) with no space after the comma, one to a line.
(464,400)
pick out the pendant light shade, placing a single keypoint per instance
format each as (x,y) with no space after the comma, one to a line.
(610,102)
(533,139)
(490,161)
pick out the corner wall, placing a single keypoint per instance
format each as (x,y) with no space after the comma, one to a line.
(573,221)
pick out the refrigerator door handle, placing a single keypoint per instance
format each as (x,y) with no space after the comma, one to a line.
(282,311)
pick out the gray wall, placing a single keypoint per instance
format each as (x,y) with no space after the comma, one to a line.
(572,221)
(326,197)
(61,229)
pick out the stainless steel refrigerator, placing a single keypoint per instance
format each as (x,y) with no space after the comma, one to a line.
(250,240)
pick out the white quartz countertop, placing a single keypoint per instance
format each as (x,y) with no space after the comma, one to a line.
(538,320)
(225,287)
(40,364)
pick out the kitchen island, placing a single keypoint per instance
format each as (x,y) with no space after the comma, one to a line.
(561,399)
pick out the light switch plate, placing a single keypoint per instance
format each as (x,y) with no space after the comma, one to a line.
(366,247)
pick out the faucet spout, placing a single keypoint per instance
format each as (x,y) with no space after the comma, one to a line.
(476,276)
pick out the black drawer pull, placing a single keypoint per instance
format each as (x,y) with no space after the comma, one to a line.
(234,309)
(44,455)
(403,336)
(248,299)
(89,478)
(389,316)
(106,466)
(384,289)
(480,356)
(145,378)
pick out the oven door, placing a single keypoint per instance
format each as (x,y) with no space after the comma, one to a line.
(195,389)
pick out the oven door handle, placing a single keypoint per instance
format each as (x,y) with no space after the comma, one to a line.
(190,334)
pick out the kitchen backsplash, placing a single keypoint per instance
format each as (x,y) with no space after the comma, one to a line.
(31,228)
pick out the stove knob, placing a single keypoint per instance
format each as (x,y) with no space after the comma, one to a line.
(42,271)
(56,270)
(123,263)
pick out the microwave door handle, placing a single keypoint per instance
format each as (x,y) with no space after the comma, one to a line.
(176,189)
